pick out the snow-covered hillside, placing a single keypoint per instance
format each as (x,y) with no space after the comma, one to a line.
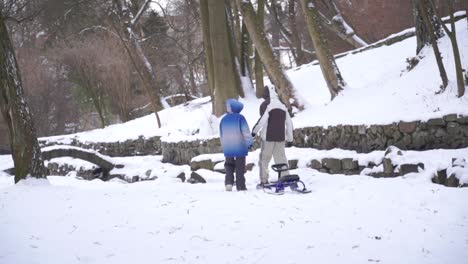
(380,91)
(345,219)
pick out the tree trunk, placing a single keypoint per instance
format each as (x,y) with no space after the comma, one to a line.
(423,37)
(275,30)
(338,25)
(258,62)
(142,65)
(299,55)
(329,68)
(226,79)
(272,65)
(205,21)
(423,10)
(456,52)
(24,146)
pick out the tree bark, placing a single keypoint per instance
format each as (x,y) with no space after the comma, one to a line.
(329,68)
(205,20)
(456,52)
(272,65)
(225,76)
(24,146)
(299,55)
(338,25)
(423,10)
(259,84)
(423,37)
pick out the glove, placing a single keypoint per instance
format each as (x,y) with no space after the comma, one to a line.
(289,144)
(253,134)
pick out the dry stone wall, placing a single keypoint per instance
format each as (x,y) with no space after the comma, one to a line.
(132,147)
(448,132)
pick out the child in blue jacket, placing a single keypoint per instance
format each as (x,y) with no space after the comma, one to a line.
(235,140)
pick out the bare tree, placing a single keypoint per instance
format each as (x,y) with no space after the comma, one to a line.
(83,68)
(145,69)
(335,22)
(456,52)
(330,70)
(25,148)
(272,64)
(423,7)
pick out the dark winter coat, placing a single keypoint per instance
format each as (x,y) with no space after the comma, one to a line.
(234,131)
(275,123)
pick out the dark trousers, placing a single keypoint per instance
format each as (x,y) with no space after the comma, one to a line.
(236,165)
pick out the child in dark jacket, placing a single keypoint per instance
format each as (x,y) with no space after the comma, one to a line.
(235,140)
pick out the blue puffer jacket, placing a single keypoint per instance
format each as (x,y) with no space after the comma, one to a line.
(235,133)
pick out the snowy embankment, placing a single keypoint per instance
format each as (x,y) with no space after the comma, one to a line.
(380,91)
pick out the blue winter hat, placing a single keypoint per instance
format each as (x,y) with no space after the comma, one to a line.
(234,106)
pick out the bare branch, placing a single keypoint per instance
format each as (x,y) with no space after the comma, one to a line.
(140,12)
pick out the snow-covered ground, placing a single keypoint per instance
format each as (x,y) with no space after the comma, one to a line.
(346,219)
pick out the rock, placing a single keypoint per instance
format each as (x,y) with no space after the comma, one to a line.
(440,133)
(135,179)
(450,117)
(436,122)
(463,120)
(410,168)
(203,164)
(293,164)
(349,164)
(334,165)
(315,164)
(389,168)
(419,139)
(181,176)
(453,128)
(362,130)
(453,181)
(407,127)
(196,178)
(148,173)
(440,177)
(393,149)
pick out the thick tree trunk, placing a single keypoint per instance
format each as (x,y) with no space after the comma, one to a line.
(423,37)
(24,146)
(259,84)
(272,65)
(423,10)
(226,80)
(329,68)
(205,21)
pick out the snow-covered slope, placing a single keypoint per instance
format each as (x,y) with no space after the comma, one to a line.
(380,91)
